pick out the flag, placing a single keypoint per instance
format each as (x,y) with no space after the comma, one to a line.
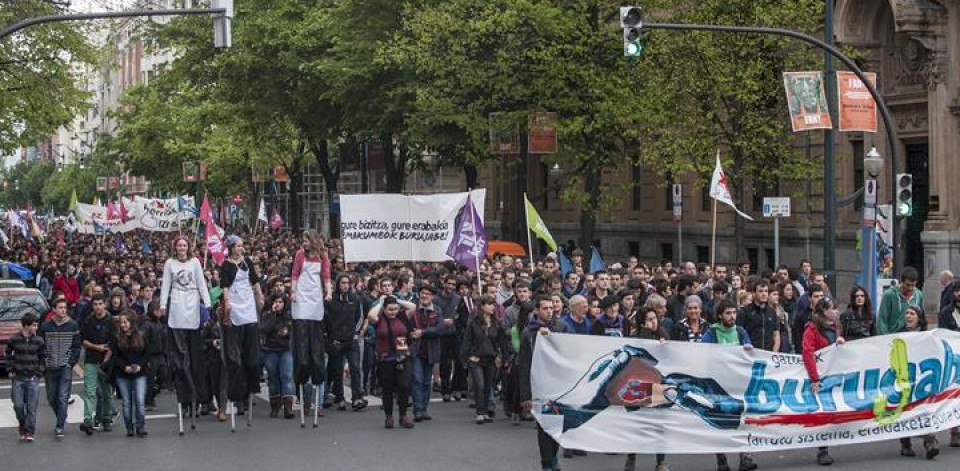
(145,246)
(206,216)
(596,263)
(215,244)
(124,216)
(98,228)
(566,266)
(119,243)
(71,225)
(262,215)
(18,222)
(276,222)
(4,238)
(96,201)
(469,243)
(184,205)
(111,210)
(720,191)
(73,200)
(535,224)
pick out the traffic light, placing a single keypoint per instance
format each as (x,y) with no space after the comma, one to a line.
(631,20)
(222,24)
(904,195)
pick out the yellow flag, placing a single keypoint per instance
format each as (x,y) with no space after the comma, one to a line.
(535,224)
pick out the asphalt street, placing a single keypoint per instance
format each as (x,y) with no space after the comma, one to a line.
(357,441)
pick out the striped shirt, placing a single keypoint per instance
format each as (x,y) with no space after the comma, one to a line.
(62,343)
(25,356)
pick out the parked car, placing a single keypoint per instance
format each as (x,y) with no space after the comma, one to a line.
(14,303)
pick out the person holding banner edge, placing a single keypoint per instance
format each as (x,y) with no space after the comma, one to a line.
(820,332)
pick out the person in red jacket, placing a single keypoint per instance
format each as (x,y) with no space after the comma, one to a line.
(820,332)
(67,284)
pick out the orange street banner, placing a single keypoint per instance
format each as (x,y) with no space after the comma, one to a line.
(542,133)
(807,101)
(858,110)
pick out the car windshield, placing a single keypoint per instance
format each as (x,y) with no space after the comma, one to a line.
(12,308)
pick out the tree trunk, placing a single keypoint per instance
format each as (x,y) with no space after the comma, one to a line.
(295,171)
(588,214)
(395,159)
(331,177)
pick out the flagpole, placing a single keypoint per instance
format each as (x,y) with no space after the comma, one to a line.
(526,213)
(713,243)
(476,240)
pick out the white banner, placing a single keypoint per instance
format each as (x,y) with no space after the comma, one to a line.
(149,214)
(618,395)
(161,215)
(398,227)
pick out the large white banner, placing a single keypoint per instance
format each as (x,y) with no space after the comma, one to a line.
(149,214)
(619,395)
(399,227)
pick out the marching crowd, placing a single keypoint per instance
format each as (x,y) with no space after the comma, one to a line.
(147,313)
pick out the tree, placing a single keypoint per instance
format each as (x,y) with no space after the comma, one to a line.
(39,86)
(701,92)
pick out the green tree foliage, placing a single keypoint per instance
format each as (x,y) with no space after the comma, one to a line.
(39,84)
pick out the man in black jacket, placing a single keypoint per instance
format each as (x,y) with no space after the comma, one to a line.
(448,300)
(344,319)
(545,323)
(950,319)
(759,320)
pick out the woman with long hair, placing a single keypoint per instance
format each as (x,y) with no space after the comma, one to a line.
(183,292)
(310,288)
(131,361)
(857,321)
(774,301)
(915,321)
(241,302)
(392,330)
(275,329)
(482,351)
(820,332)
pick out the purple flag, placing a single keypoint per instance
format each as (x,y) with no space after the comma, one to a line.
(469,244)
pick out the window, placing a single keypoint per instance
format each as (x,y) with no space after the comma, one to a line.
(771,258)
(637,174)
(761,190)
(706,201)
(666,251)
(634,248)
(703,254)
(668,193)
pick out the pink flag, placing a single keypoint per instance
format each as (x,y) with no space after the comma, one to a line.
(215,244)
(124,217)
(111,210)
(206,215)
(276,222)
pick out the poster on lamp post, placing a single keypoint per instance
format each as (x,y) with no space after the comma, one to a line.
(858,109)
(542,133)
(807,101)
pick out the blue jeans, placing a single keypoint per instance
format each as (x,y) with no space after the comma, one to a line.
(279,367)
(58,391)
(422,384)
(133,391)
(25,395)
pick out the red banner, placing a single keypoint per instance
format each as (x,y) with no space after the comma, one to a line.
(858,110)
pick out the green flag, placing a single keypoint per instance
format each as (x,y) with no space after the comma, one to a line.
(73,200)
(535,224)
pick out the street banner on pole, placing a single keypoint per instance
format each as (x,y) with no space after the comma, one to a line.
(542,133)
(619,395)
(378,227)
(806,100)
(504,134)
(858,110)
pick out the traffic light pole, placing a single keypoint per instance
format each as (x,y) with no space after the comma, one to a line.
(892,137)
(26,23)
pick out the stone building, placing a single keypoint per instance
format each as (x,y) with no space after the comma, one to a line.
(914,47)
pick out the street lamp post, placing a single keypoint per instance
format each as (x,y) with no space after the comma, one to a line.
(873,165)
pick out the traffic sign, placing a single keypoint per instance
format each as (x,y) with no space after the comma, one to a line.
(776,207)
(677,202)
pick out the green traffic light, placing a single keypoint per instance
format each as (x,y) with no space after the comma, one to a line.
(904,209)
(632,49)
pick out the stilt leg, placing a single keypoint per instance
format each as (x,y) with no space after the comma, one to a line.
(303,404)
(180,417)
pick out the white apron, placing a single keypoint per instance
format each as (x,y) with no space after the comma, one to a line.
(243,304)
(308,303)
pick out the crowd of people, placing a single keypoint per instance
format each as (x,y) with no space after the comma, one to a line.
(146,312)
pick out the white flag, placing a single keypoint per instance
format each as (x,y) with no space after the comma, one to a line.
(720,191)
(4,238)
(262,215)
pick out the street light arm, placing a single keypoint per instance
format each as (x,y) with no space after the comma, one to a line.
(892,137)
(26,23)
